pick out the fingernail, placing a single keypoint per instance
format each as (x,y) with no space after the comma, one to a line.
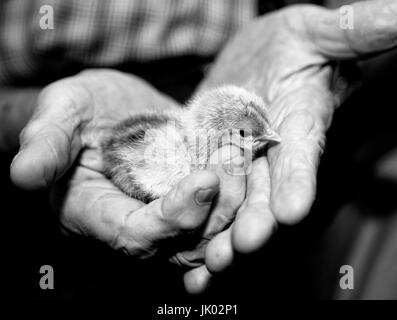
(204,196)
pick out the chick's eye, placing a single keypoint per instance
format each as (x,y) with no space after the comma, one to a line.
(244,133)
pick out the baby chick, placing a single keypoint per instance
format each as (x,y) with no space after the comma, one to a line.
(145,156)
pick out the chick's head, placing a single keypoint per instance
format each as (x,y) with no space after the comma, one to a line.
(234,112)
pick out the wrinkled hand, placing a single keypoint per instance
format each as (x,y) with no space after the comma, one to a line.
(60,148)
(285,57)
(230,166)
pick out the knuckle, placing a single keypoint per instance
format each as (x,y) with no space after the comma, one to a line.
(177,215)
(321,142)
(28,132)
(172,204)
(187,222)
(223,219)
(69,94)
(131,244)
(23,136)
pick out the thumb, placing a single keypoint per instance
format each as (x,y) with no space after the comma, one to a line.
(181,212)
(50,141)
(358,30)
(43,158)
(188,204)
(95,207)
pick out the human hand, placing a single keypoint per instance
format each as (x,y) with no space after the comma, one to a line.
(60,148)
(286,57)
(230,166)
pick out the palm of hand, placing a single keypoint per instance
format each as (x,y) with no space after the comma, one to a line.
(286,58)
(284,68)
(274,58)
(87,202)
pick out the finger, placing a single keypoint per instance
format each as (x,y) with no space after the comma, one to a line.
(255,222)
(253,226)
(197,280)
(293,163)
(219,254)
(228,165)
(50,141)
(363,28)
(187,206)
(95,207)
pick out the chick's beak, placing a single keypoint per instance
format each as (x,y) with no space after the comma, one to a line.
(270,135)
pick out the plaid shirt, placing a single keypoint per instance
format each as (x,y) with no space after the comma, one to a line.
(93,33)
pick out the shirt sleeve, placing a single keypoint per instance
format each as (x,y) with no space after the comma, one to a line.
(105,33)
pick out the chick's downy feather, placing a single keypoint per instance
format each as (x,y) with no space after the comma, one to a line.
(147,155)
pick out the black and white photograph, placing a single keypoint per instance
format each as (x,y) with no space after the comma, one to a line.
(201,159)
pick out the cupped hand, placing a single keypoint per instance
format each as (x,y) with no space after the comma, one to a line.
(288,57)
(60,149)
